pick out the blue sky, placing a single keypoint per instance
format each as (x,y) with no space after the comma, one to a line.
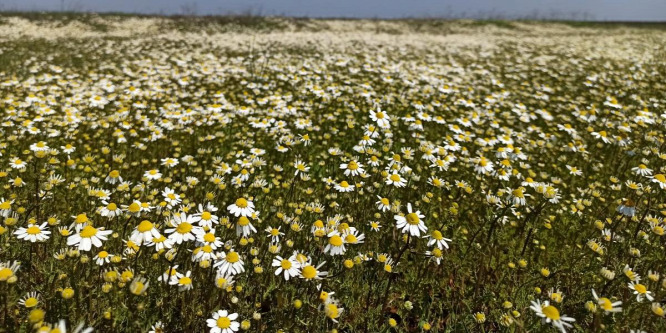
(632,10)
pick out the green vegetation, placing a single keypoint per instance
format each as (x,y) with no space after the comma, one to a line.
(291,175)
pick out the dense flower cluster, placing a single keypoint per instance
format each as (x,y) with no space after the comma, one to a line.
(177,185)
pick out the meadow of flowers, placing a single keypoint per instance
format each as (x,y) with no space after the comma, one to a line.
(326,176)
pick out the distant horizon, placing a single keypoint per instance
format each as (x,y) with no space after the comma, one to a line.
(543,18)
(589,10)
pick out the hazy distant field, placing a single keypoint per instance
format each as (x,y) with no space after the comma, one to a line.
(272,175)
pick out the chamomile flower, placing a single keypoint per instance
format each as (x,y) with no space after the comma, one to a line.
(87,237)
(114,177)
(17,163)
(183,281)
(244,227)
(352,236)
(412,222)
(383,204)
(311,272)
(436,238)
(344,186)
(574,170)
(205,216)
(207,237)
(8,270)
(642,170)
(5,207)
(640,291)
(335,245)
(551,315)
(352,168)
(396,180)
(33,233)
(242,207)
(300,167)
(153,174)
(39,146)
(223,322)
(30,300)
(606,304)
(290,267)
(183,228)
(171,197)
(382,119)
(229,263)
(145,232)
(274,233)
(110,210)
(660,179)
(169,162)
(103,257)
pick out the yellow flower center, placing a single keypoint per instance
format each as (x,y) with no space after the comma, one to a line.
(134,207)
(114,174)
(138,287)
(641,289)
(184,227)
(605,303)
(242,203)
(243,221)
(232,257)
(285,264)
(332,311)
(223,322)
(335,240)
(551,312)
(309,272)
(351,239)
(31,302)
(81,218)
(5,273)
(413,219)
(88,232)
(206,216)
(5,205)
(395,177)
(111,206)
(185,280)
(145,225)
(33,230)
(209,237)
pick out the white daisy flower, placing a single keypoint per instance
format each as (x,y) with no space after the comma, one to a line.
(411,223)
(33,233)
(223,322)
(242,207)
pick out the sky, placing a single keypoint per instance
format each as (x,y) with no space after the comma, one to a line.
(602,10)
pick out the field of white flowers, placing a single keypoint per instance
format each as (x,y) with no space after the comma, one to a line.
(273,175)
